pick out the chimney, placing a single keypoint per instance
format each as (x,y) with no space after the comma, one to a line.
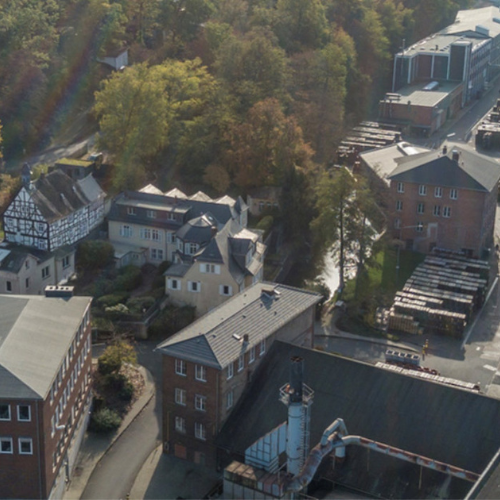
(59,291)
(245,338)
(455,155)
(295,435)
(445,149)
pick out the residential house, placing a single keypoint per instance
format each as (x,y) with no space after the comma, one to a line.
(263,200)
(208,365)
(25,270)
(143,224)
(445,199)
(45,390)
(213,265)
(54,211)
(76,169)
(402,409)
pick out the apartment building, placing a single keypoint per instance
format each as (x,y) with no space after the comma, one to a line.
(207,366)
(446,199)
(45,380)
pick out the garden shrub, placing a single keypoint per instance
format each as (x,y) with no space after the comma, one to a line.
(126,392)
(265,224)
(139,305)
(116,312)
(114,356)
(112,299)
(94,254)
(129,278)
(105,420)
(171,320)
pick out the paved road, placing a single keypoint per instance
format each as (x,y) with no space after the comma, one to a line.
(115,474)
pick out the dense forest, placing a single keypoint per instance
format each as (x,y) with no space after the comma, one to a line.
(231,92)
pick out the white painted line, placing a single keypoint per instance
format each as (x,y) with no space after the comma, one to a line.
(494,356)
(491,368)
(479,314)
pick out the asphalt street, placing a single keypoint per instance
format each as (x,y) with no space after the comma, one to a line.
(114,475)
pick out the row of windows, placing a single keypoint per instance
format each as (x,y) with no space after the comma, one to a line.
(200,371)
(151,214)
(23,412)
(25,446)
(241,359)
(422,191)
(445,212)
(200,431)
(195,287)
(200,402)
(150,234)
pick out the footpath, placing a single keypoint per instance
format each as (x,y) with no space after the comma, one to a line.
(95,446)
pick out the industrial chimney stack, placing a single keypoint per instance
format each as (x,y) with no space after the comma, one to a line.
(298,398)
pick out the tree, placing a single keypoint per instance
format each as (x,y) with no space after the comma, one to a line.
(217,178)
(112,359)
(263,147)
(335,194)
(300,24)
(253,68)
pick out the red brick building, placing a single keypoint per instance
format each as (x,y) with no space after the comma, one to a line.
(45,363)
(445,199)
(207,366)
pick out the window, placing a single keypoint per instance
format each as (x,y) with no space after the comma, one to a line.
(229,400)
(420,208)
(230,371)
(422,190)
(201,373)
(446,211)
(262,347)
(170,237)
(151,214)
(126,231)
(225,290)
(155,235)
(180,397)
(200,403)
(241,362)
(194,286)
(173,284)
(23,413)
(66,261)
(146,233)
(27,282)
(399,205)
(454,194)
(4,412)
(401,187)
(419,227)
(6,445)
(8,286)
(180,367)
(156,254)
(171,216)
(210,268)
(191,248)
(27,264)
(438,192)
(437,210)
(200,431)
(180,425)
(397,223)
(45,272)
(251,356)
(131,211)
(25,446)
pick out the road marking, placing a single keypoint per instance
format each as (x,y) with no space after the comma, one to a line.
(494,356)
(491,368)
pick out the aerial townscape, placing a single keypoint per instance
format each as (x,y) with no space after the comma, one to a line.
(249,249)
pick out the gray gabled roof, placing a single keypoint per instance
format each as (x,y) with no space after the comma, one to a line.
(35,335)
(438,421)
(57,195)
(210,341)
(467,20)
(472,170)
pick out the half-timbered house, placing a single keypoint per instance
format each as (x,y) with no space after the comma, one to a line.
(54,211)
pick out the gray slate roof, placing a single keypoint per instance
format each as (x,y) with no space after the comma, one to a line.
(57,195)
(467,20)
(473,171)
(210,341)
(35,335)
(437,421)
